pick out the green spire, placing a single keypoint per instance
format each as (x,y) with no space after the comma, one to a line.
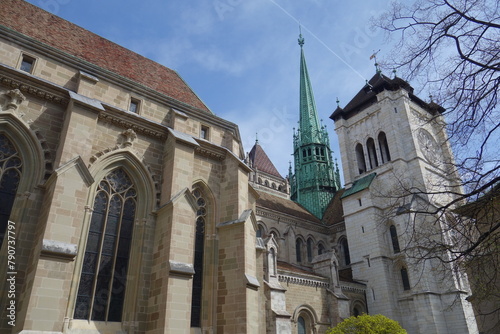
(309,125)
(316,178)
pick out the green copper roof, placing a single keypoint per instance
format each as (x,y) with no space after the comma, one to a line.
(316,178)
(361,184)
(309,125)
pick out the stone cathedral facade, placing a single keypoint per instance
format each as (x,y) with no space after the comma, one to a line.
(127,206)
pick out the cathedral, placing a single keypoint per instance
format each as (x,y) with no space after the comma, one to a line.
(127,206)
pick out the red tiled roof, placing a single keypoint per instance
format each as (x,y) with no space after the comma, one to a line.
(284,205)
(72,39)
(261,161)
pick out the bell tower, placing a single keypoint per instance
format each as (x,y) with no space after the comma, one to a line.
(398,167)
(316,178)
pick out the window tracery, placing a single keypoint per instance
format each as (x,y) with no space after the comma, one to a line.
(199,245)
(101,292)
(11,167)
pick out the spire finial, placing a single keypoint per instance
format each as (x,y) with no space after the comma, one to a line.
(338,102)
(256,137)
(374,56)
(301,39)
(394,72)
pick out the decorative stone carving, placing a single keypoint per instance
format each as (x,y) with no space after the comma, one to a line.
(128,137)
(35,91)
(10,100)
(128,124)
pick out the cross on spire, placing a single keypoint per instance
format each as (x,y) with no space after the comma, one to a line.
(301,39)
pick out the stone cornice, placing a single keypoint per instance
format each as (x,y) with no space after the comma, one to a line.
(30,85)
(128,120)
(209,153)
(336,228)
(352,287)
(289,279)
(210,150)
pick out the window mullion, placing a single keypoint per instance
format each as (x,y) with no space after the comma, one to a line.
(98,259)
(115,253)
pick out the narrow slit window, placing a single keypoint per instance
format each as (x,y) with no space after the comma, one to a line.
(27,64)
(204,132)
(134,106)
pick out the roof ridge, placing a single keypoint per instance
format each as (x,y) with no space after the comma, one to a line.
(54,31)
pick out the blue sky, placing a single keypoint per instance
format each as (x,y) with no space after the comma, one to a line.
(242,57)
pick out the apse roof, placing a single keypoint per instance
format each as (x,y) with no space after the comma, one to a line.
(65,36)
(261,161)
(284,205)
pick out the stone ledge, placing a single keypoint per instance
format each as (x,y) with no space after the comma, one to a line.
(86,101)
(252,282)
(58,249)
(181,268)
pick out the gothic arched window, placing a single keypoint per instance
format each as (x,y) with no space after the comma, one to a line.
(260,232)
(104,273)
(199,246)
(298,250)
(321,249)
(372,153)
(384,147)
(10,174)
(394,239)
(360,156)
(301,325)
(309,250)
(344,246)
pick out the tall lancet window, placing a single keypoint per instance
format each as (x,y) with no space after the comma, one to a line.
(309,250)
(298,250)
(372,153)
(199,244)
(104,273)
(384,147)
(360,156)
(11,167)
(394,239)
